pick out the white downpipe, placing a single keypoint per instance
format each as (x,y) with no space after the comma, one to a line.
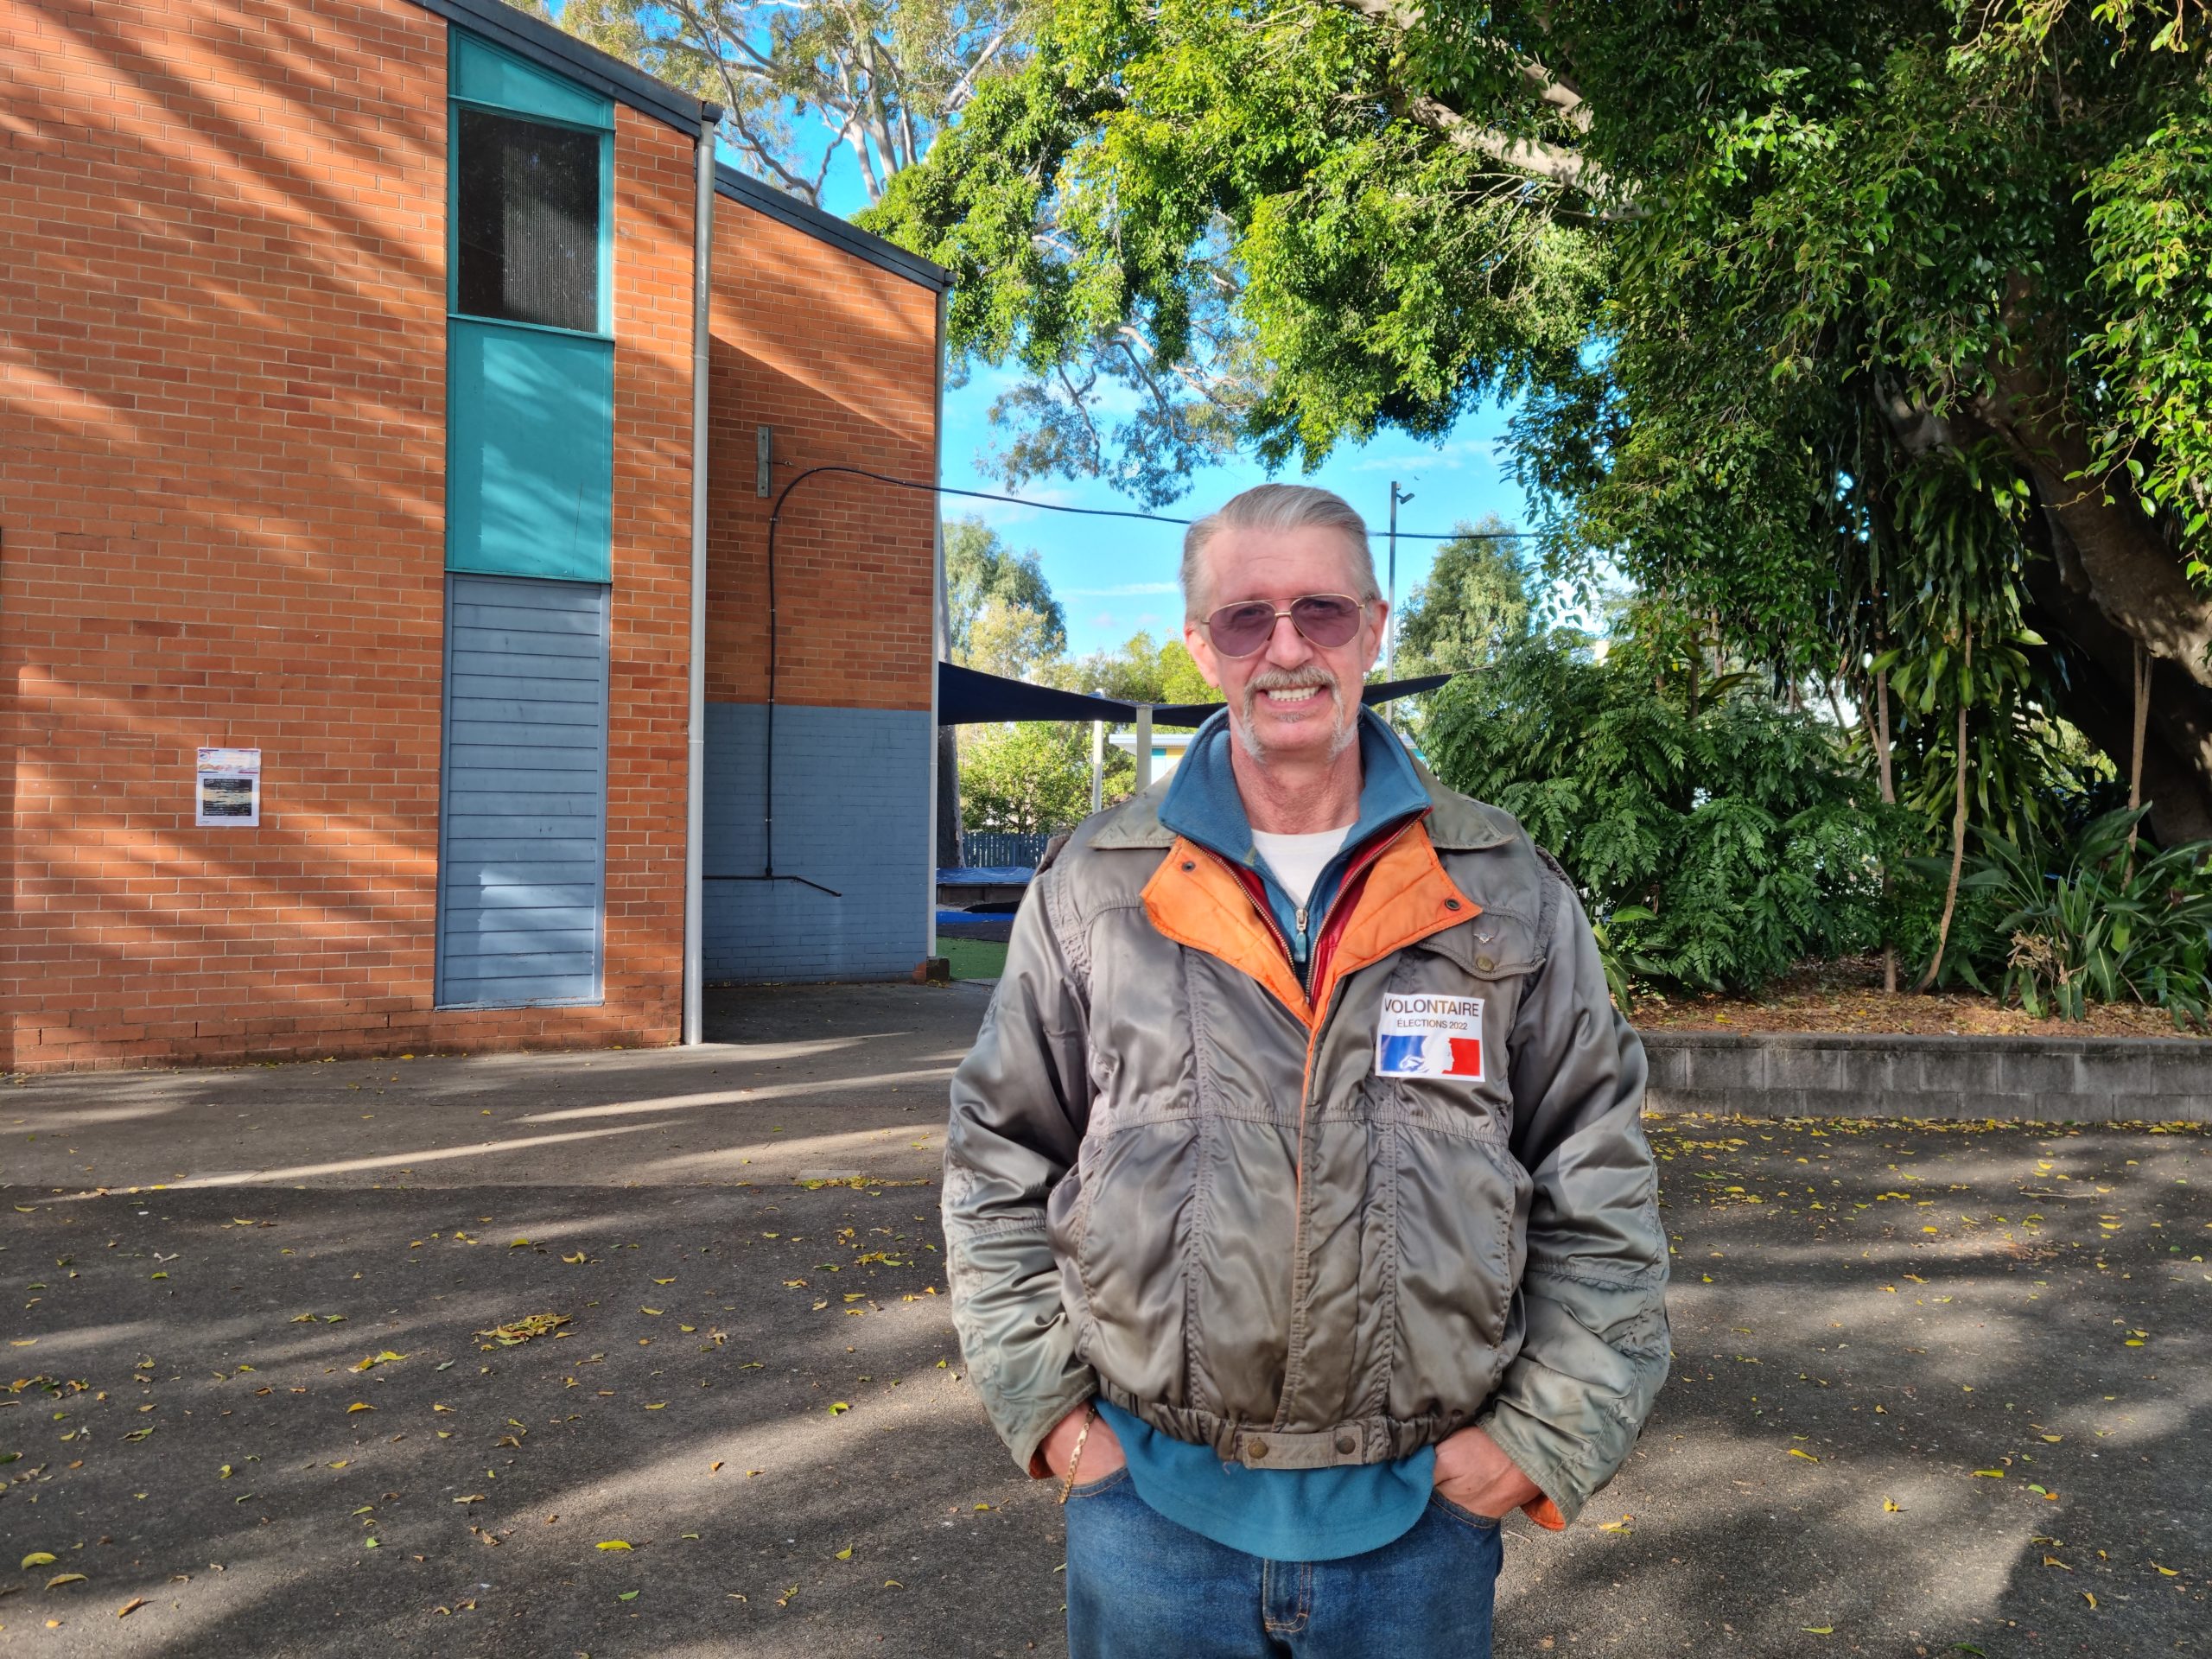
(1144,747)
(940,631)
(694,757)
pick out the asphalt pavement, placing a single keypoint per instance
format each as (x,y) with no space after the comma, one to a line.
(648,1353)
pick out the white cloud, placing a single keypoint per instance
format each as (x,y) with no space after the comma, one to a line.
(1452,457)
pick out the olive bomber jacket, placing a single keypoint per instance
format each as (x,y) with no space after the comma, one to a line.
(1178,1178)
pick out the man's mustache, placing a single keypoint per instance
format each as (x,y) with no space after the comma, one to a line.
(1291,679)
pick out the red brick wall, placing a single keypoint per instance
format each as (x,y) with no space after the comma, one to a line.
(840,357)
(222,390)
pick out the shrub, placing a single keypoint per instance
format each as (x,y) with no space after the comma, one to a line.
(2097,921)
(1716,844)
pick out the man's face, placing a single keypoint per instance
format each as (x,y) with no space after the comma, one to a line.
(1291,699)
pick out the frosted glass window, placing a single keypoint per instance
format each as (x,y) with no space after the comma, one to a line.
(529,244)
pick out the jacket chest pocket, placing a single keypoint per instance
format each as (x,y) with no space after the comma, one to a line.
(1441,1034)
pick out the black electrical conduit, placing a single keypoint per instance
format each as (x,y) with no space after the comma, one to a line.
(775,519)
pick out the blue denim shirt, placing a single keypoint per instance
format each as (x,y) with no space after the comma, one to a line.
(1283,1515)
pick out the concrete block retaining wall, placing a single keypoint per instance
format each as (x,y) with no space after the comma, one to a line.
(2036,1079)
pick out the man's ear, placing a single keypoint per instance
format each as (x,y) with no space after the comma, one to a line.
(1372,651)
(1201,650)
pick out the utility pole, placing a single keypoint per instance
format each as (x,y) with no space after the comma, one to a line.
(1390,627)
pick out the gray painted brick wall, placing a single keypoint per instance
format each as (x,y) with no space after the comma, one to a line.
(852,813)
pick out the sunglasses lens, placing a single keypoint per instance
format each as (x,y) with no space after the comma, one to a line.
(1240,629)
(1325,619)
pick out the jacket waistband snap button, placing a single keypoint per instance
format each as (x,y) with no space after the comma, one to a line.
(1347,1445)
(1256,1447)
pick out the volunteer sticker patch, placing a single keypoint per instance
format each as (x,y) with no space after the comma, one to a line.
(1430,1036)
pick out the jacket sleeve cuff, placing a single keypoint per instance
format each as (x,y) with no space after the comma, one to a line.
(1523,1440)
(1027,1441)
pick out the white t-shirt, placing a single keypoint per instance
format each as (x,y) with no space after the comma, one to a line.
(1297,860)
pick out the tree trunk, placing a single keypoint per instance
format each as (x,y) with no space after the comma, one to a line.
(2135,749)
(1958,839)
(2091,663)
(948,795)
(1889,798)
(2115,586)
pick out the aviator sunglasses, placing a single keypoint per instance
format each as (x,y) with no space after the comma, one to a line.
(1325,619)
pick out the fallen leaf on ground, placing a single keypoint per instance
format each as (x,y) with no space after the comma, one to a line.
(520,1331)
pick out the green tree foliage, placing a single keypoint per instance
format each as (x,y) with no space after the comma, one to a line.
(1034,776)
(1721,840)
(1473,605)
(1870,338)
(1000,610)
(1141,671)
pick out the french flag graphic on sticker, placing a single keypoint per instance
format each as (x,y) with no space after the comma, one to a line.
(1426,1036)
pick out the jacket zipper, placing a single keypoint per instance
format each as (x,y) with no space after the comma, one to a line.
(1345,891)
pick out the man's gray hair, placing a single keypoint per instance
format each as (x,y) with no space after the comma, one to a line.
(1280,509)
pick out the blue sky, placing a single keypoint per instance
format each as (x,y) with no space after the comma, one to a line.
(1114,576)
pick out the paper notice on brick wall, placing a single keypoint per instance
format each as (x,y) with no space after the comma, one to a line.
(228,791)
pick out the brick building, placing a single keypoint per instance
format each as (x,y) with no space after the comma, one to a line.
(350,509)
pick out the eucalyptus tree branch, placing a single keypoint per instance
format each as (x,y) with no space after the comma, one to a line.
(1531,156)
(964,88)
(1081,401)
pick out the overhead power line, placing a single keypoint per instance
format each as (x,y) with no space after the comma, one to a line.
(1124,513)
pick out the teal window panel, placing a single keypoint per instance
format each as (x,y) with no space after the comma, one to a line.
(530,464)
(482,73)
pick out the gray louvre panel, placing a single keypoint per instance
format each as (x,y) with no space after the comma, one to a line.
(518,768)
(535,895)
(509,640)
(520,620)
(503,736)
(522,866)
(548,853)
(522,688)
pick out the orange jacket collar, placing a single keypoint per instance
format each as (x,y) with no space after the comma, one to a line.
(1195,898)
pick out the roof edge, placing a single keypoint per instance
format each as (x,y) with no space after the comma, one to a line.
(823,226)
(543,44)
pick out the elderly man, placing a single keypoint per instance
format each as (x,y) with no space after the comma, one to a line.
(1301,1218)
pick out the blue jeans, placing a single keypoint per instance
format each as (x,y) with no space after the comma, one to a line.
(1139,1586)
